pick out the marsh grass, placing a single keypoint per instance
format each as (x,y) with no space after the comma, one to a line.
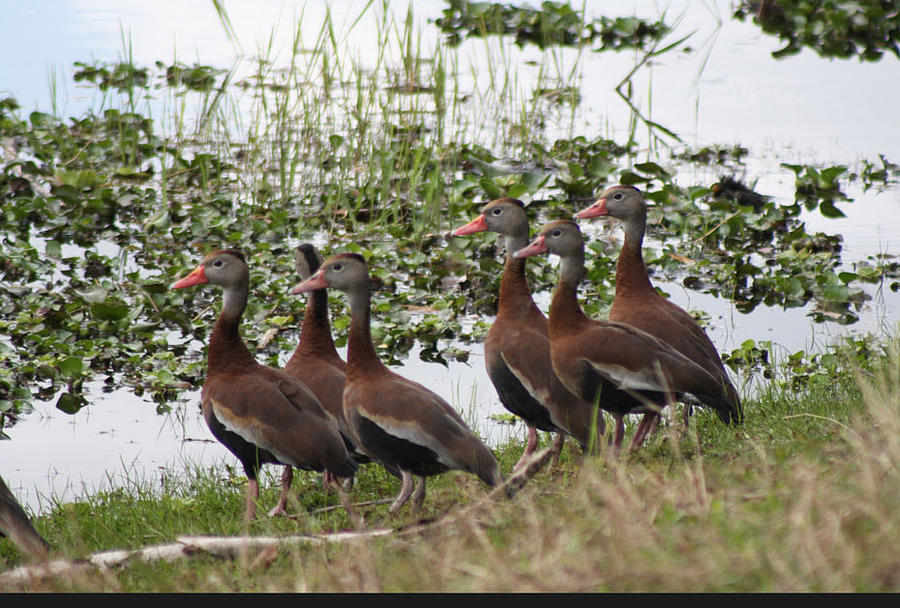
(379,152)
(378,155)
(802,498)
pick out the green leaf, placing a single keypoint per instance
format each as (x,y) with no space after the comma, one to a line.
(93,296)
(630,178)
(53,249)
(66,193)
(534,181)
(831,173)
(71,367)
(490,188)
(651,168)
(828,209)
(110,310)
(517,190)
(70,403)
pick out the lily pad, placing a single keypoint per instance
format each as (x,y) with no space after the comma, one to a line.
(110,310)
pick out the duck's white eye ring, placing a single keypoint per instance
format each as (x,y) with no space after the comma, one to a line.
(556,233)
(618,196)
(497,211)
(337,267)
(218,263)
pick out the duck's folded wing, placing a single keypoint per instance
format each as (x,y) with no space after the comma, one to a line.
(282,417)
(526,354)
(409,411)
(633,360)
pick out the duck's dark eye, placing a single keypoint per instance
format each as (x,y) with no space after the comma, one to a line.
(337,267)
(557,233)
(497,211)
(618,196)
(218,263)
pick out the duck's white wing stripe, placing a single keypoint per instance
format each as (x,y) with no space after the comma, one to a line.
(645,379)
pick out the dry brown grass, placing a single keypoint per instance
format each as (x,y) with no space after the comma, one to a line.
(804,498)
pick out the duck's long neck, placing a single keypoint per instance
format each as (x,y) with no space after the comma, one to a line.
(515,294)
(565,312)
(631,273)
(361,353)
(226,348)
(315,332)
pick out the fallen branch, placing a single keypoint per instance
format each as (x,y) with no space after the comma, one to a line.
(232,547)
(229,547)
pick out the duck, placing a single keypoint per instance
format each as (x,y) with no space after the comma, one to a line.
(517,346)
(623,369)
(315,361)
(262,415)
(397,422)
(17,527)
(638,304)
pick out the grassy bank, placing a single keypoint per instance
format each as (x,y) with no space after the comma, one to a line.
(804,497)
(381,154)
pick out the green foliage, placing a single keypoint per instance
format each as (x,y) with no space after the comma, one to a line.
(832,28)
(126,76)
(819,188)
(802,370)
(121,76)
(713,155)
(880,176)
(554,24)
(103,211)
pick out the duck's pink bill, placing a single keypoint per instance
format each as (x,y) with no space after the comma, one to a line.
(537,246)
(313,283)
(196,277)
(595,210)
(476,225)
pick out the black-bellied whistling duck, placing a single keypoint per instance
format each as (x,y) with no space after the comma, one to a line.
(397,422)
(15,525)
(316,361)
(262,415)
(517,347)
(638,304)
(624,369)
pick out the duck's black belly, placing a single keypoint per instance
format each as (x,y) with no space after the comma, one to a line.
(392,450)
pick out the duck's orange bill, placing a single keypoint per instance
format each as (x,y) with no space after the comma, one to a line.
(197,277)
(313,283)
(476,225)
(537,246)
(595,210)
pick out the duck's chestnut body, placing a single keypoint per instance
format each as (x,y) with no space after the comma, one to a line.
(638,304)
(262,415)
(624,369)
(517,346)
(316,361)
(396,421)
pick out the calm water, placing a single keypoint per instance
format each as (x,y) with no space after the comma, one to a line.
(727,91)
